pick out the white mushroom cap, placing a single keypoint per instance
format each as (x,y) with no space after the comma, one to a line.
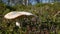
(14,14)
(17,24)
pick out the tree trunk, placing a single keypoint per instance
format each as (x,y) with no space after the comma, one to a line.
(25,2)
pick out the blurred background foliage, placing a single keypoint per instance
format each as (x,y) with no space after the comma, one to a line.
(45,13)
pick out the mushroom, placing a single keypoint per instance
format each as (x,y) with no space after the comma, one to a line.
(15,14)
